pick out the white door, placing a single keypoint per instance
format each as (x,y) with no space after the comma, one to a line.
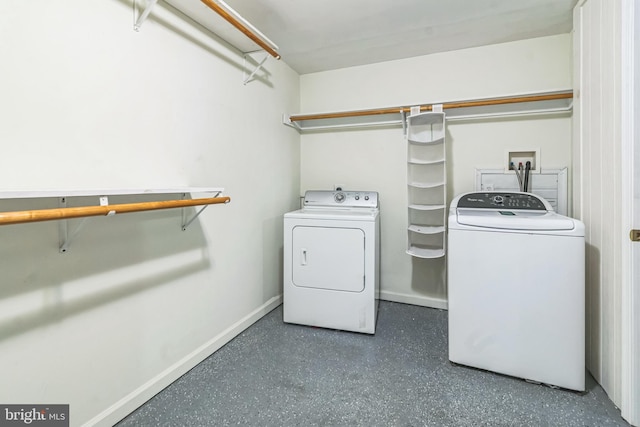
(606,189)
(634,306)
(631,200)
(328,258)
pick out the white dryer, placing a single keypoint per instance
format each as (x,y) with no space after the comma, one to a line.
(516,288)
(331,261)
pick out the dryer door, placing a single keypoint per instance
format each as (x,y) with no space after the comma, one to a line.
(328,258)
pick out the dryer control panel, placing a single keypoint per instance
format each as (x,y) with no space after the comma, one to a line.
(496,200)
(348,199)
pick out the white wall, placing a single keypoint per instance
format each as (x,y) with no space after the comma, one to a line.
(374,159)
(86,102)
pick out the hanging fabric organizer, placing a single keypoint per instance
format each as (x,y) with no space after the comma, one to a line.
(427,183)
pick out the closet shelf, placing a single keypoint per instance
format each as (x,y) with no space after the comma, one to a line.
(21,217)
(40,194)
(556,102)
(233,18)
(103,208)
(226,23)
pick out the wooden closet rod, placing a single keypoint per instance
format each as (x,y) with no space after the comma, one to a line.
(461,104)
(20,217)
(240,26)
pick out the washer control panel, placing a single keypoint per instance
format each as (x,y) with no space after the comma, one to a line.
(502,201)
(350,199)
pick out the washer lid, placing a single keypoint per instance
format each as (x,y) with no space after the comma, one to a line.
(507,219)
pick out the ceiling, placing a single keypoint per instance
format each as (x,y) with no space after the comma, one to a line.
(323,35)
(329,34)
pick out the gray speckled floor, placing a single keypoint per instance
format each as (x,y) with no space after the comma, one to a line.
(277,374)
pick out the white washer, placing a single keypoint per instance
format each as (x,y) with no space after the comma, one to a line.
(516,288)
(331,261)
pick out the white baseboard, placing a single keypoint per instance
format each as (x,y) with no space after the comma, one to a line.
(440,303)
(146,391)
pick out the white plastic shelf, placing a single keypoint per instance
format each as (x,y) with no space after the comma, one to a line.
(426,184)
(427,207)
(425,252)
(426,229)
(414,161)
(432,142)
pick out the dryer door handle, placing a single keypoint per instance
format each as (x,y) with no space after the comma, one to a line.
(303,256)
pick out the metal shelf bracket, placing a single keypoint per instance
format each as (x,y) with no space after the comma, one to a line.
(145,14)
(258,66)
(187,222)
(65,238)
